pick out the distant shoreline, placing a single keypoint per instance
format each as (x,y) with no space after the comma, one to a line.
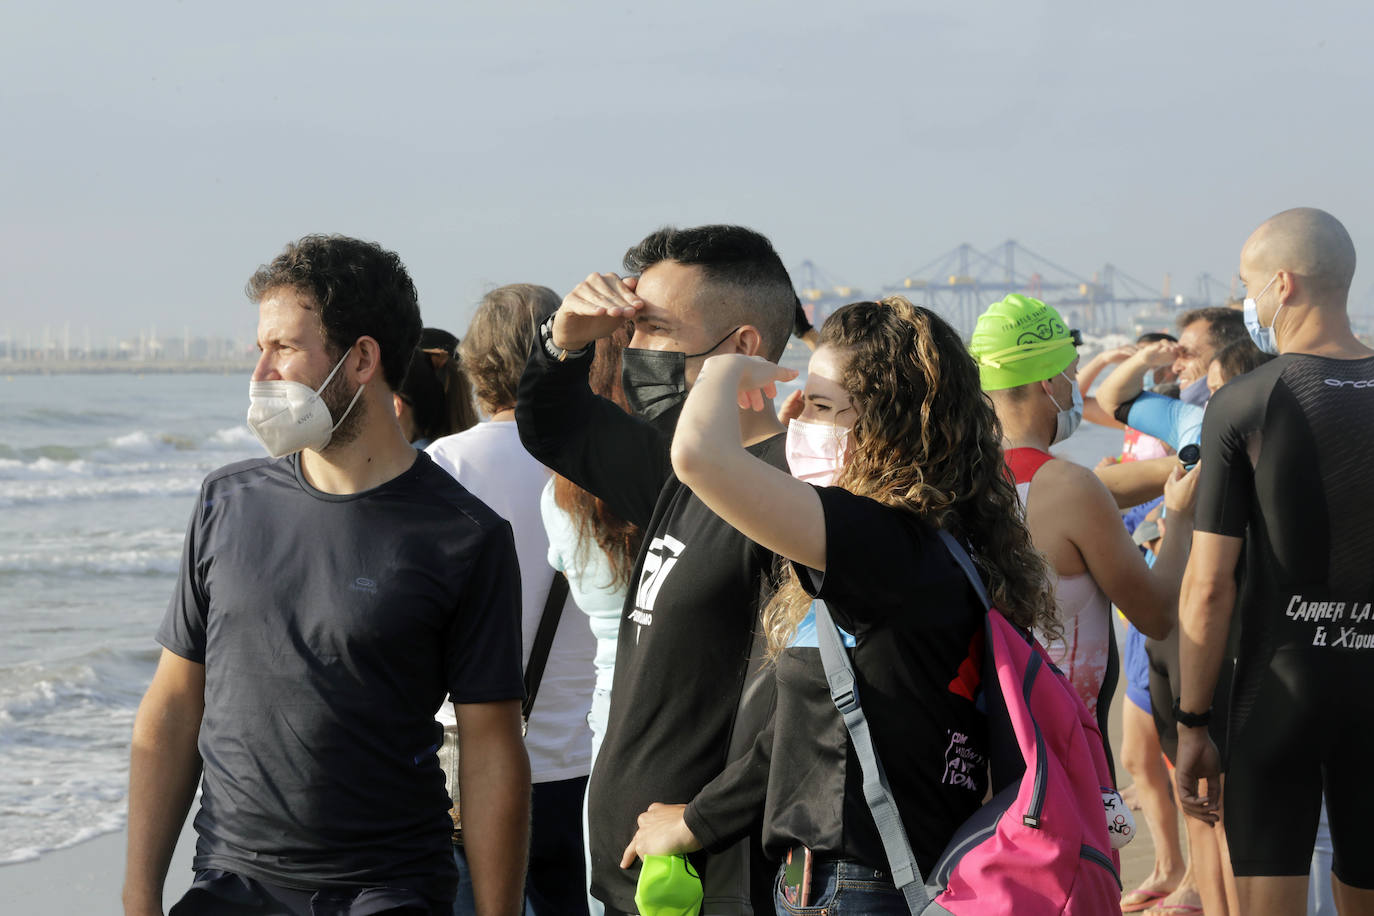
(126,367)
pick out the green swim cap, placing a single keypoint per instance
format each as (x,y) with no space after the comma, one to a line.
(668,886)
(1020,340)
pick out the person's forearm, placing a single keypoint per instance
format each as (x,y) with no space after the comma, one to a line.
(1125,382)
(164,766)
(494,786)
(730,807)
(588,439)
(1205,607)
(1089,373)
(1167,578)
(1093,413)
(552,401)
(1134,482)
(764,503)
(707,440)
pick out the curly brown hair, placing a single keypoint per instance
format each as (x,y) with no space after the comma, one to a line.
(926,440)
(595,523)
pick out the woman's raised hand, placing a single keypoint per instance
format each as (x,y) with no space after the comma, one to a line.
(756,382)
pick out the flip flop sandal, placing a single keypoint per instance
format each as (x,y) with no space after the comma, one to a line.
(1141,900)
(1175,909)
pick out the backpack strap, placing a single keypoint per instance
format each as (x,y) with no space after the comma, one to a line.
(844,692)
(543,640)
(965,562)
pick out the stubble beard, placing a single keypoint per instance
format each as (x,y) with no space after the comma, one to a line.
(352,425)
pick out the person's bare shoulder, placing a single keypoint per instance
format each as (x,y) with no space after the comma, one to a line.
(1067,483)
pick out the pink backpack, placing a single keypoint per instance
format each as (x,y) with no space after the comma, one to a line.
(1040,844)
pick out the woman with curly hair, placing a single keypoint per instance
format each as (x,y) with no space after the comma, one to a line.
(895,441)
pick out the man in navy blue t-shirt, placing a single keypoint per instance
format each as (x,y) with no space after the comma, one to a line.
(329,599)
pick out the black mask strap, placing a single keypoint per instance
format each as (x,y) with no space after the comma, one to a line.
(717,346)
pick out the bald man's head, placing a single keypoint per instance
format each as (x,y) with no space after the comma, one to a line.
(1310,243)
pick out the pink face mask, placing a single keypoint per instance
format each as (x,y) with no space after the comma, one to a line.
(816,451)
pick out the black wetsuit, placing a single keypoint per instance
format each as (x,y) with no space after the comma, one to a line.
(1286,465)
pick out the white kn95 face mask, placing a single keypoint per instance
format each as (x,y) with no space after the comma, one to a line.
(289,416)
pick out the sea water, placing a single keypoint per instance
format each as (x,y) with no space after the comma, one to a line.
(98,478)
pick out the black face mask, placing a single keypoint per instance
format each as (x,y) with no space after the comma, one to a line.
(655,381)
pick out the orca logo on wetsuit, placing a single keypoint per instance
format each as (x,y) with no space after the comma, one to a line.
(1360,383)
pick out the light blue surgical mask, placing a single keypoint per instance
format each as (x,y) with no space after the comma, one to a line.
(1262,336)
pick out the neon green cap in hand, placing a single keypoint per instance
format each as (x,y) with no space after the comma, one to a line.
(668,886)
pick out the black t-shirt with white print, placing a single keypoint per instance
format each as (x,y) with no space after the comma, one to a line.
(691,619)
(916,629)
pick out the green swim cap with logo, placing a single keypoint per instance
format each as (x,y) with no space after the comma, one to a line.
(1020,340)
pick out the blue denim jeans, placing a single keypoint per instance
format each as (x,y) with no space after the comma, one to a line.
(841,888)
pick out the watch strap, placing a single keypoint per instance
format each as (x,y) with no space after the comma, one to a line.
(553,349)
(1191,719)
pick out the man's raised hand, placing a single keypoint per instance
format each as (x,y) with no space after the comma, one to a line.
(597,308)
(1159,353)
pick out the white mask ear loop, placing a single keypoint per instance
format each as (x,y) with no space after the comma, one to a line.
(325,384)
(1049,393)
(357,394)
(1274,322)
(349,409)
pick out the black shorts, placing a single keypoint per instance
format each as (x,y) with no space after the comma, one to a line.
(220,893)
(1306,726)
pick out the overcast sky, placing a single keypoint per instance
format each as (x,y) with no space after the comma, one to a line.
(154,153)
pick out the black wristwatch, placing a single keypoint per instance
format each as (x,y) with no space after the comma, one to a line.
(553,349)
(1189,455)
(1191,719)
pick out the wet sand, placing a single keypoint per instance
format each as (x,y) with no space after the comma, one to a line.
(84,879)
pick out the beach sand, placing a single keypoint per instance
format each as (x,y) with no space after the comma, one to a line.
(86,879)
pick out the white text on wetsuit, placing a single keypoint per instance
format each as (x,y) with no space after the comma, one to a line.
(1326,610)
(1339,636)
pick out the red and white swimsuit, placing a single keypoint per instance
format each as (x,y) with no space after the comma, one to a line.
(1083,652)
